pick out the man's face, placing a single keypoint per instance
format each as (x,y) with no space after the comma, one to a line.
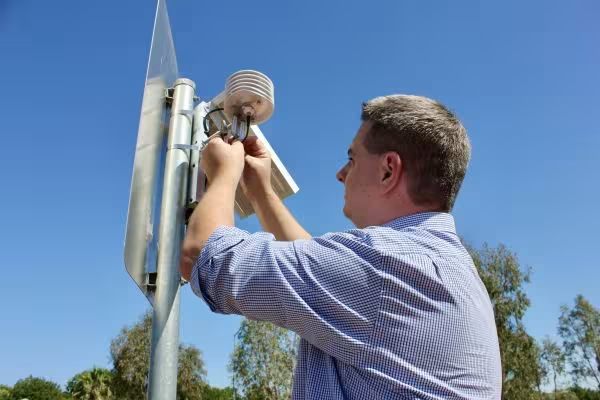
(360,177)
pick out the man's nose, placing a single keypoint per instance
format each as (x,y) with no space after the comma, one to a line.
(341,175)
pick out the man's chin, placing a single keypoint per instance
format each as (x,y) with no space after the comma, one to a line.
(348,215)
(346,212)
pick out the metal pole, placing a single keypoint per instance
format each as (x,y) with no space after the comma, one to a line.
(164,352)
(196,182)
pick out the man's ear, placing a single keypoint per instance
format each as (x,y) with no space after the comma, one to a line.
(391,171)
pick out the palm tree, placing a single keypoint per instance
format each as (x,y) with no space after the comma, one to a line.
(94,384)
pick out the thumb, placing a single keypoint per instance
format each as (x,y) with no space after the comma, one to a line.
(255,147)
(251,160)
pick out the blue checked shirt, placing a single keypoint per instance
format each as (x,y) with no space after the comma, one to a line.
(387,312)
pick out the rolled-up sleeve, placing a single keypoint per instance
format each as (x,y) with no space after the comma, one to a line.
(326,289)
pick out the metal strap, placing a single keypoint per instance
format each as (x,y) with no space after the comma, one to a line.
(194,147)
(181,146)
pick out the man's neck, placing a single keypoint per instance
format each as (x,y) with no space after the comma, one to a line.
(386,215)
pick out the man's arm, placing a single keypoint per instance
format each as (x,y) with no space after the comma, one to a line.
(215,209)
(270,210)
(327,289)
(275,218)
(223,164)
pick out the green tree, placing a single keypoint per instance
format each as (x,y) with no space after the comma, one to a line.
(36,389)
(579,328)
(5,392)
(94,384)
(130,354)
(214,393)
(562,395)
(504,279)
(585,394)
(553,359)
(263,361)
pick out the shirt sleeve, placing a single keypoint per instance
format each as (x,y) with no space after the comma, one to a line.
(326,289)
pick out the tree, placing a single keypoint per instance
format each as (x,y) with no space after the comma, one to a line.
(553,359)
(214,393)
(585,394)
(36,389)
(94,384)
(263,361)
(191,374)
(504,279)
(579,328)
(5,392)
(130,354)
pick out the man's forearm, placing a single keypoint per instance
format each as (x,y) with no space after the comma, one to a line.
(277,219)
(215,209)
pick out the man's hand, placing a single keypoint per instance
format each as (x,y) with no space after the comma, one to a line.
(256,179)
(221,160)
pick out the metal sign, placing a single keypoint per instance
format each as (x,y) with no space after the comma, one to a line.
(141,233)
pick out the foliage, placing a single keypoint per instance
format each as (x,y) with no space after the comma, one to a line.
(553,359)
(5,392)
(36,389)
(213,393)
(522,372)
(263,361)
(191,374)
(94,384)
(130,353)
(559,395)
(580,329)
(504,279)
(585,394)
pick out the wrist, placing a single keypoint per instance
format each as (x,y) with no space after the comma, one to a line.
(262,196)
(226,181)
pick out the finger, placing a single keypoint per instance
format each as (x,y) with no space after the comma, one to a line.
(215,135)
(254,147)
(250,141)
(212,141)
(250,144)
(238,146)
(252,162)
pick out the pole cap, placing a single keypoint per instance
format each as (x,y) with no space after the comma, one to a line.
(185,81)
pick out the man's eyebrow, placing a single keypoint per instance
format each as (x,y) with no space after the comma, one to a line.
(350,152)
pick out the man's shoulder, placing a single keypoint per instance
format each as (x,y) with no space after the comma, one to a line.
(381,239)
(431,233)
(432,238)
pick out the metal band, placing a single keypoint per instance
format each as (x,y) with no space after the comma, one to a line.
(193,147)
(180,146)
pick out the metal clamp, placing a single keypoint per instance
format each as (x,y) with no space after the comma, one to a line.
(193,147)
(181,146)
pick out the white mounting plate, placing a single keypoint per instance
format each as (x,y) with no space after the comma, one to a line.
(282,182)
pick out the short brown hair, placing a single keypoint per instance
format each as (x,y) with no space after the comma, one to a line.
(431,141)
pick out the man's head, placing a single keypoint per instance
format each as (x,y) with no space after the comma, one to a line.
(409,155)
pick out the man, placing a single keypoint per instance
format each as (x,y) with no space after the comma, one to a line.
(393,309)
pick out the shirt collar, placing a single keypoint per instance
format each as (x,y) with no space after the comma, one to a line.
(437,221)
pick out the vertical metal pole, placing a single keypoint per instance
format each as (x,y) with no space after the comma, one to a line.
(164,352)
(196,182)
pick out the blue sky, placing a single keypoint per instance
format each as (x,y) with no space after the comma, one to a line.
(523,77)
